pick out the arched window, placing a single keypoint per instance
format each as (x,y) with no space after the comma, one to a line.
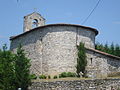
(34,23)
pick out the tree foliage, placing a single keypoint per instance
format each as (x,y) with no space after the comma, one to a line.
(6,69)
(81,60)
(22,73)
(14,70)
(110,49)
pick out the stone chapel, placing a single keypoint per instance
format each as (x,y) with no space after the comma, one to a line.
(52,48)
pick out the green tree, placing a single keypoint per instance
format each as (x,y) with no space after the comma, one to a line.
(112,49)
(106,47)
(6,69)
(97,46)
(81,60)
(117,50)
(22,72)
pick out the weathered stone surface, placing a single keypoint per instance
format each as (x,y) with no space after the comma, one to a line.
(100,65)
(52,49)
(32,21)
(96,84)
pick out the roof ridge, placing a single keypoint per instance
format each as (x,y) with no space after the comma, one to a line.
(104,53)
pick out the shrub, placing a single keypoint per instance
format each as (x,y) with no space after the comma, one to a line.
(70,74)
(55,77)
(33,76)
(49,77)
(62,75)
(42,77)
(67,74)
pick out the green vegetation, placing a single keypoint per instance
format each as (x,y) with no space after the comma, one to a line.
(62,75)
(55,77)
(22,73)
(49,77)
(14,70)
(110,49)
(33,76)
(70,74)
(42,77)
(81,60)
(67,74)
(7,74)
(118,89)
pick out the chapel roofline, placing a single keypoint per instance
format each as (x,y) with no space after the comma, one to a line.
(103,53)
(61,24)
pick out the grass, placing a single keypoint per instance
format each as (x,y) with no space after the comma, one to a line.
(71,79)
(61,79)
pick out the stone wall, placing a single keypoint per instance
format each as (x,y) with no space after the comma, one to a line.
(52,49)
(96,84)
(101,65)
(33,49)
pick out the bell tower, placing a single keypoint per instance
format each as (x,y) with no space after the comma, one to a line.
(33,20)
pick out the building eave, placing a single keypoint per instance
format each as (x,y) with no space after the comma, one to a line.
(92,29)
(103,53)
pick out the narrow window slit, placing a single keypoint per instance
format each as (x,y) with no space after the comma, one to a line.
(91,60)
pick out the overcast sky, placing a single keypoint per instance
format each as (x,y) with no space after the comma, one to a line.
(105,18)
